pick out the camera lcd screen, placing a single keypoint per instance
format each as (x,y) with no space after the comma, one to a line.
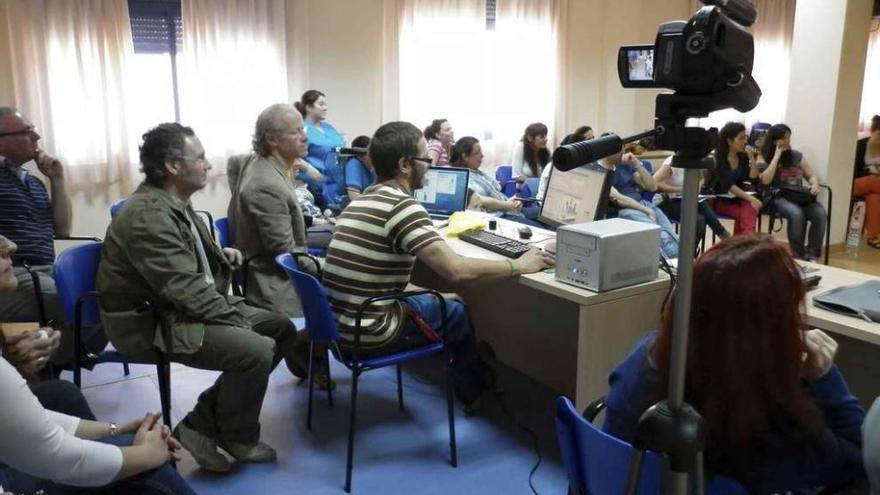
(641,64)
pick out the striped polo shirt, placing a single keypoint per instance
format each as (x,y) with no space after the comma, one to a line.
(26,216)
(372,254)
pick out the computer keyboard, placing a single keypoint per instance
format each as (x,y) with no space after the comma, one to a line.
(495,243)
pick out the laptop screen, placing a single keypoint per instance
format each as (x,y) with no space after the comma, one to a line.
(445,190)
(577,196)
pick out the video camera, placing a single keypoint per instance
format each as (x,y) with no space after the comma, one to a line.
(707,61)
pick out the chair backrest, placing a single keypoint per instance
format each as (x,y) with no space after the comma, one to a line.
(320,322)
(222,226)
(598,463)
(503,173)
(116,206)
(74,272)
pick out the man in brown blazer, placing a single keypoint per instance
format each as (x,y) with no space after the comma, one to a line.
(265,218)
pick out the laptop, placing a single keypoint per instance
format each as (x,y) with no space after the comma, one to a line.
(445,192)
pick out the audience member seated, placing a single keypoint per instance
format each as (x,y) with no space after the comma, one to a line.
(867,181)
(485,191)
(158,249)
(440,138)
(44,450)
(529,158)
(372,253)
(778,413)
(322,136)
(31,217)
(871,438)
(582,133)
(670,183)
(359,172)
(735,164)
(629,181)
(784,167)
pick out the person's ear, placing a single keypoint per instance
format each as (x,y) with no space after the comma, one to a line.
(172,167)
(404,166)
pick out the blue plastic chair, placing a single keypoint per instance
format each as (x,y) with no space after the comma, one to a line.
(598,463)
(116,206)
(239,279)
(504,176)
(75,270)
(321,326)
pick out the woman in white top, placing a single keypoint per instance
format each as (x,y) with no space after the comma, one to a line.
(530,157)
(670,182)
(43,451)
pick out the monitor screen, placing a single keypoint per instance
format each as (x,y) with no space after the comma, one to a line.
(577,196)
(641,64)
(445,190)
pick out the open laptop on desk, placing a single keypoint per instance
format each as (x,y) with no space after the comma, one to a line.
(577,196)
(445,192)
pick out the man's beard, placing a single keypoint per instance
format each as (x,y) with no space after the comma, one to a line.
(418,180)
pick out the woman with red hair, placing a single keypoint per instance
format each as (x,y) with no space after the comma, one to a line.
(779,414)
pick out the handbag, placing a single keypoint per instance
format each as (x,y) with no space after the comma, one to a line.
(795,194)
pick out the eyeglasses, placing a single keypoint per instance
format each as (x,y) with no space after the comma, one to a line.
(28,130)
(193,158)
(423,159)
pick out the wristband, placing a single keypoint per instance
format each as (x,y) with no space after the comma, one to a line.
(114,429)
(512,270)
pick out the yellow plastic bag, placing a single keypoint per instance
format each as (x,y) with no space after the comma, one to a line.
(465,221)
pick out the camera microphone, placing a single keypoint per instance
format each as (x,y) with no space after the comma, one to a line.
(569,156)
(351,151)
(740,11)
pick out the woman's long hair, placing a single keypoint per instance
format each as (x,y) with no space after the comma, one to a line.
(433,130)
(536,161)
(461,150)
(306,100)
(729,131)
(768,147)
(744,359)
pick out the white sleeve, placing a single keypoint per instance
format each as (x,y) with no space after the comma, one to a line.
(516,160)
(40,443)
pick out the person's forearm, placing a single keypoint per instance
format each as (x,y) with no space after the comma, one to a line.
(648,182)
(664,187)
(770,172)
(492,204)
(739,193)
(92,430)
(61,207)
(135,460)
(465,269)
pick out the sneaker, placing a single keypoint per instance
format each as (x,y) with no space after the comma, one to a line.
(258,452)
(202,448)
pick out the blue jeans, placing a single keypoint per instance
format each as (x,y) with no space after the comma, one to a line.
(161,481)
(668,237)
(796,218)
(470,375)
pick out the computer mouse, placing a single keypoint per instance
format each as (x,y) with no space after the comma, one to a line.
(524,232)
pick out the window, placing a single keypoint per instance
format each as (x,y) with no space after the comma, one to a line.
(153,22)
(488,67)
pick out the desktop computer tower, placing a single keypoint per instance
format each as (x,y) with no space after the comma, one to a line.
(607,254)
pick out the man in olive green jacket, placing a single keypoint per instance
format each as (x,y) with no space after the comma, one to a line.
(158,249)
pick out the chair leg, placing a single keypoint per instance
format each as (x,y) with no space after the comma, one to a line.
(164,375)
(355,373)
(399,388)
(453,450)
(326,358)
(311,385)
(125,368)
(77,352)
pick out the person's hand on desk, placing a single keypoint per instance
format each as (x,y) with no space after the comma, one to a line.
(534,260)
(819,352)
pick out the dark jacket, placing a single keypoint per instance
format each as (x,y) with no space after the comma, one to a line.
(149,250)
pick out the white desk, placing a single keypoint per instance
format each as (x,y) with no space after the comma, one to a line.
(565,337)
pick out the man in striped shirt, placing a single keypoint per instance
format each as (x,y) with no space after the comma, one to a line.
(31,217)
(377,239)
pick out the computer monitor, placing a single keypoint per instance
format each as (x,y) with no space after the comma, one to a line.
(577,196)
(445,190)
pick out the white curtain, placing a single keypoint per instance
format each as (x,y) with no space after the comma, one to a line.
(772,33)
(70,73)
(489,83)
(870,94)
(233,65)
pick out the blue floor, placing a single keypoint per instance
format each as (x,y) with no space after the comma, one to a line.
(395,452)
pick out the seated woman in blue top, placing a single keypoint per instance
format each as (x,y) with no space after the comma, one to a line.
(323,138)
(359,171)
(778,412)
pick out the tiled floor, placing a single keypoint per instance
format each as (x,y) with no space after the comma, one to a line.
(396,452)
